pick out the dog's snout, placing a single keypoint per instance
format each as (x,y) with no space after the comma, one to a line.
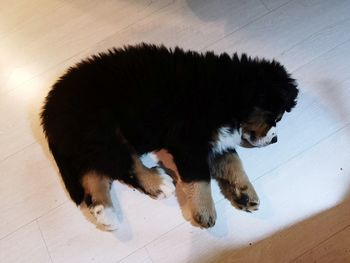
(274,140)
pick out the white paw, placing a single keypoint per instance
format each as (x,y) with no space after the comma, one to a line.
(105,216)
(166,187)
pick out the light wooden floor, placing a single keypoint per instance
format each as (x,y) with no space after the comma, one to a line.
(303,181)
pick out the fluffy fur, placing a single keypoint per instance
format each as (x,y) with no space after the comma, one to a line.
(138,99)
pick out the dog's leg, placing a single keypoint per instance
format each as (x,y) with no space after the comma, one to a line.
(194,180)
(129,169)
(228,170)
(153,181)
(98,199)
(201,203)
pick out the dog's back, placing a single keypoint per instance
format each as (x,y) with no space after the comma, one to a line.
(130,94)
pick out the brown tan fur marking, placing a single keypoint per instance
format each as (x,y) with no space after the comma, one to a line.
(149,179)
(228,167)
(98,187)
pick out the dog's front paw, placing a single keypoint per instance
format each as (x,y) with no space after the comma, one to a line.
(241,195)
(205,217)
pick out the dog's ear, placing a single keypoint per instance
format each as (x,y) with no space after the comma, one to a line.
(290,94)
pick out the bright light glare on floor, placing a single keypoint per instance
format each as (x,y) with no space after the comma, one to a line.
(18,76)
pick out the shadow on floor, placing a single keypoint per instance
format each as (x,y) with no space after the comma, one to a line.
(293,243)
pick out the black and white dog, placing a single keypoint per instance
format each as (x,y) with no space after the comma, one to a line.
(108,110)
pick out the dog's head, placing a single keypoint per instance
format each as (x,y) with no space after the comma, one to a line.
(260,128)
(272,93)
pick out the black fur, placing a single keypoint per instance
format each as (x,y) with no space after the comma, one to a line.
(154,97)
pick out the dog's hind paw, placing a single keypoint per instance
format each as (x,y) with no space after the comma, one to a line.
(105,216)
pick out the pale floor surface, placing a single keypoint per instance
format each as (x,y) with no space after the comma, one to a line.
(303,181)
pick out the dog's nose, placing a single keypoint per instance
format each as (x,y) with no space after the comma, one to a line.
(274,140)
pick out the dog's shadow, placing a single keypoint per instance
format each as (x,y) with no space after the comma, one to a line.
(334,95)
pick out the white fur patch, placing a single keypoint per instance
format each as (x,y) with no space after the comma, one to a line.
(105,216)
(154,157)
(167,186)
(227,139)
(149,159)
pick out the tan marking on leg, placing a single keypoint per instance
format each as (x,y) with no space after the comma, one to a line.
(228,167)
(152,180)
(201,202)
(98,187)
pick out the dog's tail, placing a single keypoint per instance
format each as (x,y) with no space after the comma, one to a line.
(69,175)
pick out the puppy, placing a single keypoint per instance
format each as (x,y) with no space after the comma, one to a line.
(108,110)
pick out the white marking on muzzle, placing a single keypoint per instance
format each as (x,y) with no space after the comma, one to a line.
(264,140)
